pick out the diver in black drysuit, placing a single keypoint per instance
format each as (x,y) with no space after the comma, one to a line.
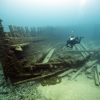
(72,41)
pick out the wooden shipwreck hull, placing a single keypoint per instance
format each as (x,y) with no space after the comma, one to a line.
(22,54)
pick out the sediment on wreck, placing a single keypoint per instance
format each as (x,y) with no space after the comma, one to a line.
(23,51)
(10,64)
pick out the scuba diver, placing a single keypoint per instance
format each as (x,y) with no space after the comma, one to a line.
(72,41)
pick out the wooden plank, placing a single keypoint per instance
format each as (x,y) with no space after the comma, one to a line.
(83,54)
(98,72)
(89,70)
(88,64)
(96,78)
(66,72)
(78,72)
(40,77)
(83,50)
(48,56)
(21,45)
(84,46)
(48,63)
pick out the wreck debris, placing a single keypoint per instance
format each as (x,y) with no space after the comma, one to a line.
(11,31)
(83,51)
(96,78)
(84,47)
(18,47)
(39,77)
(66,73)
(98,72)
(78,72)
(48,56)
(80,48)
(88,64)
(27,31)
(1,29)
(90,69)
(47,69)
(19,65)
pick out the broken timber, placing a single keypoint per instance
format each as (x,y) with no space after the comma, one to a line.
(45,67)
(84,47)
(48,56)
(88,64)
(98,72)
(18,47)
(96,78)
(79,48)
(66,73)
(83,50)
(40,77)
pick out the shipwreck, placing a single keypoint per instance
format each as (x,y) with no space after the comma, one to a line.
(26,55)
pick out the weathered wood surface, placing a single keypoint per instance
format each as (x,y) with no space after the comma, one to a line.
(83,50)
(89,70)
(49,74)
(78,47)
(40,77)
(98,72)
(48,56)
(96,78)
(21,45)
(88,64)
(78,72)
(85,47)
(65,73)
(18,47)
(48,63)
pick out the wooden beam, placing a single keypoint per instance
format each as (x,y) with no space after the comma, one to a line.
(21,45)
(48,63)
(96,78)
(18,47)
(48,56)
(78,72)
(78,47)
(83,50)
(85,47)
(39,77)
(65,73)
(98,72)
(88,64)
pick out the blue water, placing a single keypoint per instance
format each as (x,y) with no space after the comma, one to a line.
(83,14)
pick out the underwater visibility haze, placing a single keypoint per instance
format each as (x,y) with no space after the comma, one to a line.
(38,60)
(50,12)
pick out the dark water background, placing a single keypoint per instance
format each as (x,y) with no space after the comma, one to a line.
(77,17)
